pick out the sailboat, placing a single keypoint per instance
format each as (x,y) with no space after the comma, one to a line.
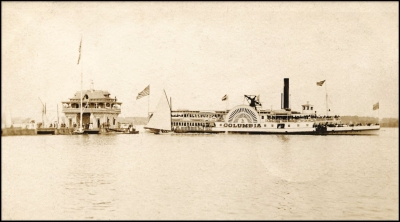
(7,120)
(43,129)
(160,121)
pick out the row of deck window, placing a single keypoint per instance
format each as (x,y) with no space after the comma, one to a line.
(191,124)
(91,105)
(196,115)
(272,125)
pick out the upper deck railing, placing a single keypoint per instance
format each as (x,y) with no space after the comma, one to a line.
(92,110)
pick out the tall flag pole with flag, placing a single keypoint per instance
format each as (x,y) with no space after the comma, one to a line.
(143,93)
(79,59)
(320,83)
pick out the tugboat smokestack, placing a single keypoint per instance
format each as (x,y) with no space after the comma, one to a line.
(286,93)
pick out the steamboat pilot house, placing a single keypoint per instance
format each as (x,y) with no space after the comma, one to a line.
(99,110)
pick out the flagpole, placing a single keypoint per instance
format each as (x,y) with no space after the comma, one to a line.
(43,109)
(80,52)
(148,105)
(226,105)
(80,120)
(326,98)
(378,115)
(58,118)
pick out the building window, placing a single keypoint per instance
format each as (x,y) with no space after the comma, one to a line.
(265,125)
(288,125)
(272,125)
(306,124)
(262,117)
(298,125)
(312,107)
(220,124)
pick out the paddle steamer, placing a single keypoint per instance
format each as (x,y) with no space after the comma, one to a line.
(251,119)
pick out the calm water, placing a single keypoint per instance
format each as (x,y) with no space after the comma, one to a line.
(148,176)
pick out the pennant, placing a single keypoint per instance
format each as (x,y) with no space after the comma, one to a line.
(320,83)
(143,93)
(375,106)
(225,97)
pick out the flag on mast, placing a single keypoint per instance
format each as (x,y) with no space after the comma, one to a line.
(80,46)
(143,93)
(375,106)
(320,83)
(225,97)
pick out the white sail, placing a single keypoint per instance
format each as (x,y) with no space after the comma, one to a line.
(161,118)
(6,120)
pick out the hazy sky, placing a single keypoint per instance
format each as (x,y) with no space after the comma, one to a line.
(200,51)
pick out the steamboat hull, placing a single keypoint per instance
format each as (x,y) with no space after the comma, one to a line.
(358,130)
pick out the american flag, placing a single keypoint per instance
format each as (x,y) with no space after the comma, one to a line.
(375,106)
(320,83)
(143,93)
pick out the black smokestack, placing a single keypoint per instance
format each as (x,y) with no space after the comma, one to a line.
(286,93)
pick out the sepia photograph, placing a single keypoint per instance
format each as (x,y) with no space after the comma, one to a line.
(200,110)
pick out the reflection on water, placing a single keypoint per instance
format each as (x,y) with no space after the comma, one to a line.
(200,176)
